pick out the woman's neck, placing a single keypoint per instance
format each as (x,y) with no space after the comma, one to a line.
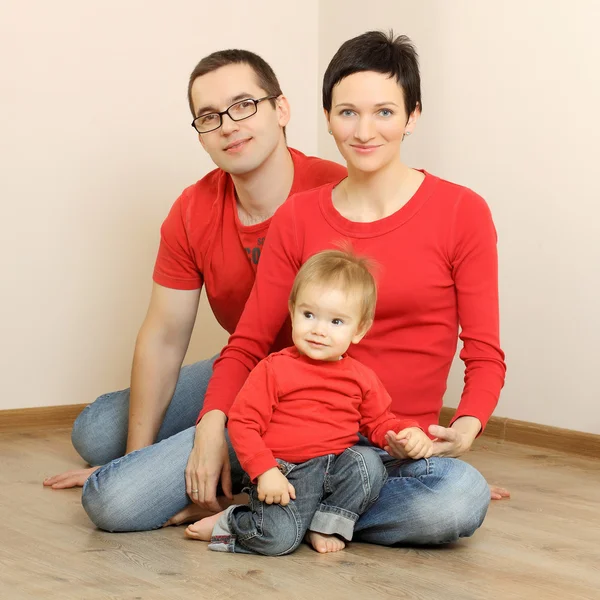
(371,196)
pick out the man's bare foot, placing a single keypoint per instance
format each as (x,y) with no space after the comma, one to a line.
(324,543)
(69,479)
(498,493)
(202,530)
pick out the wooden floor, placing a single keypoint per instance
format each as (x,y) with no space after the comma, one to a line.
(544,543)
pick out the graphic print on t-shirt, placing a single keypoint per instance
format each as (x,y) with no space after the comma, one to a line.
(254,251)
(252,242)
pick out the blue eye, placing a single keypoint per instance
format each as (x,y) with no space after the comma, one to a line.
(337,322)
(347,113)
(386,112)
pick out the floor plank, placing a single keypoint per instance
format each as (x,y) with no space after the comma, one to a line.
(544,543)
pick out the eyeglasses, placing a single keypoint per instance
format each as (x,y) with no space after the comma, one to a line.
(239,111)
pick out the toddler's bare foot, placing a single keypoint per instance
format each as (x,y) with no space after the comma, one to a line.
(325,543)
(202,530)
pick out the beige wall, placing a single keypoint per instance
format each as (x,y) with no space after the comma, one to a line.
(96,146)
(511,109)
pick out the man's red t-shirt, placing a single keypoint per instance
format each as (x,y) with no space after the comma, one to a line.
(204,243)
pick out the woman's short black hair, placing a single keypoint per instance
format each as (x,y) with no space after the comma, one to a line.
(382,53)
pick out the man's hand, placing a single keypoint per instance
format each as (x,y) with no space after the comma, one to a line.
(209,462)
(69,479)
(274,488)
(454,441)
(411,442)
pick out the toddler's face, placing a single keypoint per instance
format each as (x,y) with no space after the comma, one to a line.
(325,321)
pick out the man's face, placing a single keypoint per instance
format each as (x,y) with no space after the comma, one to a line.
(238,147)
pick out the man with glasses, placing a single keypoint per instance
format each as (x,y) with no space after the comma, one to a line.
(212,237)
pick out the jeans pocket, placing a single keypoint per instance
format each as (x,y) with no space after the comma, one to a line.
(284,466)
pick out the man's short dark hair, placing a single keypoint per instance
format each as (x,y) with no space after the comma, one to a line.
(265,75)
(382,53)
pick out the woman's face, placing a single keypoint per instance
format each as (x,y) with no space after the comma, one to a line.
(368,120)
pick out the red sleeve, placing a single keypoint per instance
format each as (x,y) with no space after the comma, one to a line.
(376,415)
(474,261)
(264,314)
(175,265)
(249,418)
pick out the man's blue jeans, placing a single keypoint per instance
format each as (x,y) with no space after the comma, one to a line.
(429,501)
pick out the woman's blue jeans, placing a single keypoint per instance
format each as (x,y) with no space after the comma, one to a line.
(429,501)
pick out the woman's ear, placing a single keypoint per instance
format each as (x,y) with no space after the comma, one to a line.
(412,120)
(326,113)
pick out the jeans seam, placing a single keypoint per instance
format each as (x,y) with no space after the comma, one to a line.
(327,488)
(364,474)
(428,468)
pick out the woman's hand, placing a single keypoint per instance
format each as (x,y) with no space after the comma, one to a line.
(274,488)
(69,479)
(209,462)
(454,441)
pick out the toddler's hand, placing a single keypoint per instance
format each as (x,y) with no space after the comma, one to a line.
(274,488)
(415,442)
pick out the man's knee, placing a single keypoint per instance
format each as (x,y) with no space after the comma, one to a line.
(98,436)
(80,436)
(113,506)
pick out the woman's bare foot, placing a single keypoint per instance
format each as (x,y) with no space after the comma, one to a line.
(190,514)
(202,530)
(324,543)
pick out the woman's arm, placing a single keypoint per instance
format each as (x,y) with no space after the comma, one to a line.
(474,260)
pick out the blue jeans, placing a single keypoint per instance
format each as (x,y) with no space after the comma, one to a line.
(331,494)
(433,501)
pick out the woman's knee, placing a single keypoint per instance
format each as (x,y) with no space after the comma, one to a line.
(459,507)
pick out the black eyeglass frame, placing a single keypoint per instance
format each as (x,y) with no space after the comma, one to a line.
(226,112)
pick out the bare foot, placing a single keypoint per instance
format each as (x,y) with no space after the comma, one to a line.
(324,543)
(498,493)
(202,530)
(69,479)
(190,514)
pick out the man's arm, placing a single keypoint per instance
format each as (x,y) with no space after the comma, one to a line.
(159,351)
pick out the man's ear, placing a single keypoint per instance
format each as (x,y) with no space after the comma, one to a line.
(284,112)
